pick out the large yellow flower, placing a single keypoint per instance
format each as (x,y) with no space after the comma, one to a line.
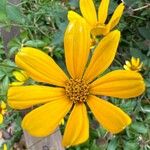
(73,92)
(97,23)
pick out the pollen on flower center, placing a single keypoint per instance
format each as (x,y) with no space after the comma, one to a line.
(77,90)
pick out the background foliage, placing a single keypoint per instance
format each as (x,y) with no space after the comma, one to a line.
(42,24)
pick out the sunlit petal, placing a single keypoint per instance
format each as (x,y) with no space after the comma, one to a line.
(21,97)
(103,55)
(77,128)
(109,116)
(40,66)
(103,11)
(116,16)
(45,119)
(120,83)
(88,11)
(77,47)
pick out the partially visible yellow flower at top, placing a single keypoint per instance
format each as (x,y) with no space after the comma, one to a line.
(71,93)
(20,76)
(97,23)
(2,111)
(133,65)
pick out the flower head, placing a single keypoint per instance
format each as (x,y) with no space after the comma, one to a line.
(2,111)
(97,23)
(20,76)
(133,65)
(71,92)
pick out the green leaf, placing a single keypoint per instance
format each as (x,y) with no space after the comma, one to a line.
(35,43)
(14,14)
(112,145)
(136,53)
(131,145)
(139,127)
(145,32)
(3,14)
(5,85)
(2,74)
(112,7)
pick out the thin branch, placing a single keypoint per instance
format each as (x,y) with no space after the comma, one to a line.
(140,8)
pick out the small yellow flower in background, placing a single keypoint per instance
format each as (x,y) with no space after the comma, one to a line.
(133,65)
(71,93)
(2,111)
(4,147)
(20,76)
(97,23)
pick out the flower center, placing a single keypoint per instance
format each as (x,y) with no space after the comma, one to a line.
(77,90)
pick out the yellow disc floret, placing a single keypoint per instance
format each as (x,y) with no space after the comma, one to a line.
(77,90)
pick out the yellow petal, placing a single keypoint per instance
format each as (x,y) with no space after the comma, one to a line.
(140,66)
(40,66)
(21,97)
(74,16)
(25,74)
(103,11)
(112,118)
(77,128)
(77,47)
(3,105)
(88,11)
(4,147)
(119,83)
(135,61)
(103,55)
(16,83)
(128,64)
(126,67)
(45,119)
(116,16)
(19,76)
(138,62)
(1,118)
(3,111)
(99,30)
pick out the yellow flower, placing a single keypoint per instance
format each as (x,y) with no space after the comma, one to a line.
(4,147)
(2,111)
(97,23)
(71,93)
(133,65)
(20,76)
